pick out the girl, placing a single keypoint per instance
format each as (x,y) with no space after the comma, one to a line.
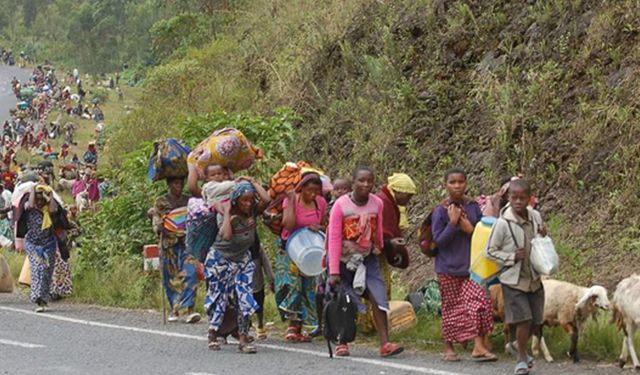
(303,208)
(228,267)
(355,227)
(466,309)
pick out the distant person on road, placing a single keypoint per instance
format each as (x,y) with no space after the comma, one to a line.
(466,309)
(180,278)
(229,267)
(355,227)
(40,243)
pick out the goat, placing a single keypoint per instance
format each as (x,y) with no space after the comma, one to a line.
(566,305)
(82,201)
(626,315)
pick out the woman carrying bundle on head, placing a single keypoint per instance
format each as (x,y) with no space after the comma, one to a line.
(229,267)
(295,292)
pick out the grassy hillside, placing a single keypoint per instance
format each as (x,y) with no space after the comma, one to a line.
(546,89)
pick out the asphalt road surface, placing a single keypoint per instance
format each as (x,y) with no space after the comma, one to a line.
(7,99)
(83,339)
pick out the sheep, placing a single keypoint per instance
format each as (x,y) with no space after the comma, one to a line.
(626,315)
(566,305)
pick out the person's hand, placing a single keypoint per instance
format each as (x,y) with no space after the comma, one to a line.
(399,241)
(315,227)
(542,231)
(454,213)
(246,178)
(223,207)
(334,280)
(272,287)
(521,254)
(291,195)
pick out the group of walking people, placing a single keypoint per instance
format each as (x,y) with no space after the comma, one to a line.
(364,231)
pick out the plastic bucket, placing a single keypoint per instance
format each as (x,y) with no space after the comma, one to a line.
(306,249)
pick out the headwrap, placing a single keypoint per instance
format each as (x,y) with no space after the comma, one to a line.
(240,189)
(305,178)
(401,183)
(47,222)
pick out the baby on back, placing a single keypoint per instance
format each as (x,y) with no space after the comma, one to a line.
(218,184)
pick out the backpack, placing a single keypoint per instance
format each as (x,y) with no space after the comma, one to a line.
(425,235)
(339,318)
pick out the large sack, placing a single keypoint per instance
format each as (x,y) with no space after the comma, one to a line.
(168,159)
(25,273)
(6,280)
(226,147)
(281,183)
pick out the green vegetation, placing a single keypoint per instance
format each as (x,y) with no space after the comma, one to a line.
(546,89)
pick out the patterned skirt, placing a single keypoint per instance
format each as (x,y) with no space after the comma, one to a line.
(466,309)
(180,275)
(295,293)
(228,279)
(42,259)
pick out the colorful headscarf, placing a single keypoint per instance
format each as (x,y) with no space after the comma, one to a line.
(401,183)
(47,222)
(239,190)
(306,177)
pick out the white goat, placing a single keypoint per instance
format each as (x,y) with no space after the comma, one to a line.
(82,201)
(566,305)
(626,315)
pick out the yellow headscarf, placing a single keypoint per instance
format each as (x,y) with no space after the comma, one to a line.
(47,222)
(401,183)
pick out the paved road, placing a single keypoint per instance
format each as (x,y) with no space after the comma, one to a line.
(7,99)
(81,339)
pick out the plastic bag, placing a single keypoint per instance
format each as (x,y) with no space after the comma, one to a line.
(543,257)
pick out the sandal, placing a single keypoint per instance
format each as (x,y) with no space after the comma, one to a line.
(484,357)
(294,335)
(342,350)
(213,340)
(514,352)
(261,333)
(246,349)
(450,357)
(389,349)
(522,368)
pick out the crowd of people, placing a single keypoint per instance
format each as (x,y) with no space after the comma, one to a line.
(33,215)
(364,225)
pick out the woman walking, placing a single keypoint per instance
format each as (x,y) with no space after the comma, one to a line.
(295,292)
(178,267)
(466,309)
(40,243)
(355,236)
(228,267)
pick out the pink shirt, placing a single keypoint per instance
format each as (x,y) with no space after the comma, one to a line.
(305,216)
(349,220)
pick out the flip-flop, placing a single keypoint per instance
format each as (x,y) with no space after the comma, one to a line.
(450,357)
(521,368)
(514,352)
(484,357)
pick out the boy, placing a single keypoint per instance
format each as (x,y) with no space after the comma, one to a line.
(510,245)
(217,186)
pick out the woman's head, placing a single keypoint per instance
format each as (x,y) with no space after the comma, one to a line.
(519,195)
(363,182)
(309,187)
(176,185)
(455,180)
(43,195)
(403,188)
(243,196)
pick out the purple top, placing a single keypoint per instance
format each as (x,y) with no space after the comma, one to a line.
(454,246)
